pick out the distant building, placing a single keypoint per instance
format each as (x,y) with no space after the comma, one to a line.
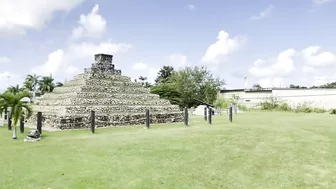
(317,97)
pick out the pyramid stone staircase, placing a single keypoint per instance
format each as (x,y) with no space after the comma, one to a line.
(115,99)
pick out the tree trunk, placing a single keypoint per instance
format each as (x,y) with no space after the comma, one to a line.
(14,132)
(34,93)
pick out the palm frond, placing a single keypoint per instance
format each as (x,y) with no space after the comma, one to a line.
(23,94)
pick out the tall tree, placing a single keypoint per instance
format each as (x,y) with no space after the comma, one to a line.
(257,86)
(28,85)
(292,86)
(17,108)
(31,83)
(46,84)
(144,82)
(164,74)
(196,83)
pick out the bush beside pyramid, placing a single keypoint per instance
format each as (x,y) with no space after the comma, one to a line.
(115,99)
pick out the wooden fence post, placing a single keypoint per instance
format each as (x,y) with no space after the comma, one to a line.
(39,122)
(147,119)
(9,123)
(210,116)
(230,114)
(22,124)
(186,116)
(93,121)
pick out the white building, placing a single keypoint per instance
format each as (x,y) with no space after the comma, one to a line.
(320,98)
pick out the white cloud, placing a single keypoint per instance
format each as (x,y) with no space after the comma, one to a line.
(72,70)
(263,14)
(322,59)
(60,60)
(191,7)
(320,2)
(152,73)
(92,25)
(18,16)
(258,70)
(321,80)
(7,79)
(54,63)
(176,60)
(86,49)
(283,66)
(139,66)
(272,82)
(223,47)
(5,59)
(308,69)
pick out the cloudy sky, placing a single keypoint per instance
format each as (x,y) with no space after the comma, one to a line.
(273,43)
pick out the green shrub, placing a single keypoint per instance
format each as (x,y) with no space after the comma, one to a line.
(273,104)
(269,104)
(319,110)
(333,111)
(284,107)
(303,108)
(222,102)
(242,107)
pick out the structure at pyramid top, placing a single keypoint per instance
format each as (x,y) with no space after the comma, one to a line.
(115,99)
(103,64)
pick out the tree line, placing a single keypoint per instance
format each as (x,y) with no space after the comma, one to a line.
(11,99)
(182,87)
(331,85)
(35,84)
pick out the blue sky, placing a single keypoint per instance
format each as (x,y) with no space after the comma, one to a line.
(273,43)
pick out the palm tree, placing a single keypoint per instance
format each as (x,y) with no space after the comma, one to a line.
(144,82)
(28,85)
(31,83)
(17,108)
(14,89)
(46,84)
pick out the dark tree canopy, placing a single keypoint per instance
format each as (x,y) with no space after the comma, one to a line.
(329,85)
(144,82)
(164,74)
(257,86)
(292,86)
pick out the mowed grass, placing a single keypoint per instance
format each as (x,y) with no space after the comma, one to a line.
(257,150)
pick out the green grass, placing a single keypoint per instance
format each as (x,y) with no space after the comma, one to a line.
(258,150)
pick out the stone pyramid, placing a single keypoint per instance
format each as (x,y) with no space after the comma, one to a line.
(115,99)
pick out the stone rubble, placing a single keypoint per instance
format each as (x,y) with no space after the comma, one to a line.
(32,136)
(115,99)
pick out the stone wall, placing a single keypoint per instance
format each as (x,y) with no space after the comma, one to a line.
(97,95)
(57,122)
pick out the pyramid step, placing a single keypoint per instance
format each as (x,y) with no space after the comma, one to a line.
(103,76)
(104,109)
(101,101)
(98,88)
(97,95)
(102,83)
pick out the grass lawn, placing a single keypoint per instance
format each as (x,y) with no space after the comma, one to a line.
(258,150)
